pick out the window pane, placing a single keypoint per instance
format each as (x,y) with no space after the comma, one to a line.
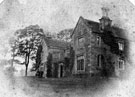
(98,60)
(80,63)
(121,64)
(121,46)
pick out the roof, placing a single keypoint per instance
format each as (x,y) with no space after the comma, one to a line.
(117,32)
(92,24)
(54,43)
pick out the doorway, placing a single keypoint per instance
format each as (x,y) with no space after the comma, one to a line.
(61,71)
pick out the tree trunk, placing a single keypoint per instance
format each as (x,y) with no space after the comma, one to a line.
(26,70)
(26,63)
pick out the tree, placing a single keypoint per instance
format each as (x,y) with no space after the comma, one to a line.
(13,49)
(65,35)
(27,42)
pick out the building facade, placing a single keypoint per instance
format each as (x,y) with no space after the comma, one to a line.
(59,51)
(100,48)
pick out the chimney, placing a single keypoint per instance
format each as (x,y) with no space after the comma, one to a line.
(105,21)
(105,12)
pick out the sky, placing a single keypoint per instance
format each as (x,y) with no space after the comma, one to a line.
(56,15)
(132,1)
(1,1)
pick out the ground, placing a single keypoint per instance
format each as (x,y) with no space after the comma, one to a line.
(11,86)
(62,87)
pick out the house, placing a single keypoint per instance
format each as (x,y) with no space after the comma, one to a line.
(100,48)
(58,51)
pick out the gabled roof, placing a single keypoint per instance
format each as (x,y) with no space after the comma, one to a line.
(54,43)
(117,32)
(80,18)
(92,24)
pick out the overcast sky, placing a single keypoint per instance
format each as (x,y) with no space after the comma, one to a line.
(56,15)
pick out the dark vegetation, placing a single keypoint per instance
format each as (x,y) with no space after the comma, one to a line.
(110,40)
(38,57)
(49,65)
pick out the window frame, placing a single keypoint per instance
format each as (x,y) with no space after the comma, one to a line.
(121,46)
(81,67)
(122,63)
(98,40)
(99,60)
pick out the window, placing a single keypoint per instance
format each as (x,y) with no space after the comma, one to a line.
(121,64)
(98,40)
(80,41)
(80,63)
(121,46)
(99,60)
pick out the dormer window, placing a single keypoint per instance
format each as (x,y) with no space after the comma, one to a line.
(121,46)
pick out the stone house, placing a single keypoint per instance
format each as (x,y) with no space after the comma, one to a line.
(100,48)
(59,50)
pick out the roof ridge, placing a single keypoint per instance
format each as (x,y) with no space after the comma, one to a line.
(91,21)
(56,43)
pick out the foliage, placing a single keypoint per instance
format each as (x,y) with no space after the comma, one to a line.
(49,65)
(38,57)
(109,68)
(51,35)
(27,42)
(66,62)
(65,35)
(55,70)
(72,57)
(67,66)
(12,43)
(110,40)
